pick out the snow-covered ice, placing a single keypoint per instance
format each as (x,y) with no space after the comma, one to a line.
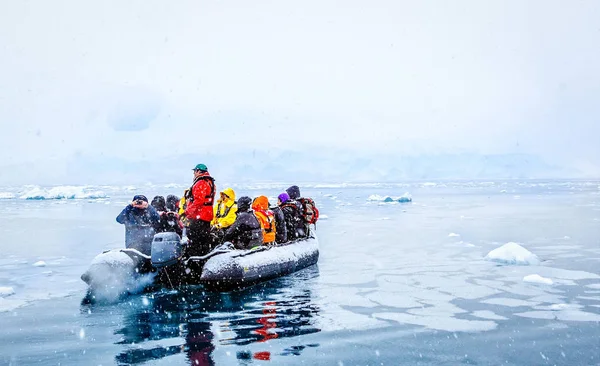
(61,192)
(39,264)
(536,278)
(512,253)
(6,291)
(406,197)
(453,235)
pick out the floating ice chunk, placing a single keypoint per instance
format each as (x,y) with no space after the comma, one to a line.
(486,314)
(453,235)
(61,192)
(446,323)
(406,197)
(594,286)
(536,278)
(6,291)
(323,217)
(503,191)
(566,315)
(512,253)
(505,301)
(6,196)
(39,264)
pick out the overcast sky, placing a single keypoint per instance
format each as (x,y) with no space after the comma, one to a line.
(139,79)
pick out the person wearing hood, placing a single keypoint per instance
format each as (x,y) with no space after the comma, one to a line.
(172,203)
(225,210)
(293,217)
(169,220)
(199,211)
(139,219)
(245,233)
(266,218)
(280,224)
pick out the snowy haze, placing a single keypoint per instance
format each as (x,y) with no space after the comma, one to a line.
(94,91)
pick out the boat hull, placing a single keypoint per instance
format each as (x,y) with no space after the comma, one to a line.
(220,270)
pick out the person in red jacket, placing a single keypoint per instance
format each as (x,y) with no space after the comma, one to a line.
(199,211)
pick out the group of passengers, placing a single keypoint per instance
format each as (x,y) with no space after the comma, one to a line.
(204,224)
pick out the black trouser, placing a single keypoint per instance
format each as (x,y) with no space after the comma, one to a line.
(199,236)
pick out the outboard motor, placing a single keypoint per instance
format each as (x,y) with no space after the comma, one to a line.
(166,249)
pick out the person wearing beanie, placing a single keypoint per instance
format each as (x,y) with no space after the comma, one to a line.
(139,219)
(245,233)
(280,225)
(293,217)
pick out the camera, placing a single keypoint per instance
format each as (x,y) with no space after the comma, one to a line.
(139,202)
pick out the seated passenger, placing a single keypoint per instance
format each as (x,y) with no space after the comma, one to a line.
(266,218)
(293,217)
(172,203)
(306,206)
(224,215)
(245,233)
(169,221)
(280,225)
(139,219)
(225,210)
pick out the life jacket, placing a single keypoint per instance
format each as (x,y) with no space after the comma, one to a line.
(209,198)
(309,212)
(267,224)
(220,215)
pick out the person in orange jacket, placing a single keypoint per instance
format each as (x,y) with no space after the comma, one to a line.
(266,218)
(199,211)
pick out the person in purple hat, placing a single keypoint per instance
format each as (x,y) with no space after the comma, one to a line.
(280,225)
(293,217)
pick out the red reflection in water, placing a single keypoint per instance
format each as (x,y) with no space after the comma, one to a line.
(269,314)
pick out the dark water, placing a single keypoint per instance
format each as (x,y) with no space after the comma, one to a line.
(391,287)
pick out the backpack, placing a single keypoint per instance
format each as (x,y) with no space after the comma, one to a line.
(310,212)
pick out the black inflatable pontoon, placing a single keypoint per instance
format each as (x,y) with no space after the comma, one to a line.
(223,269)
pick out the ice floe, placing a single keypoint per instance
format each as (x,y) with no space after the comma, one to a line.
(486,314)
(6,195)
(453,235)
(566,315)
(536,278)
(510,302)
(512,253)
(39,264)
(594,286)
(449,324)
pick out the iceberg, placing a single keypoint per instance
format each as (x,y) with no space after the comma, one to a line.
(61,192)
(512,253)
(536,278)
(406,197)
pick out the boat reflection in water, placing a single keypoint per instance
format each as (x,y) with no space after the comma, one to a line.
(195,323)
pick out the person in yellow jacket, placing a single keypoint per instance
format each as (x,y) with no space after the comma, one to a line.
(225,210)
